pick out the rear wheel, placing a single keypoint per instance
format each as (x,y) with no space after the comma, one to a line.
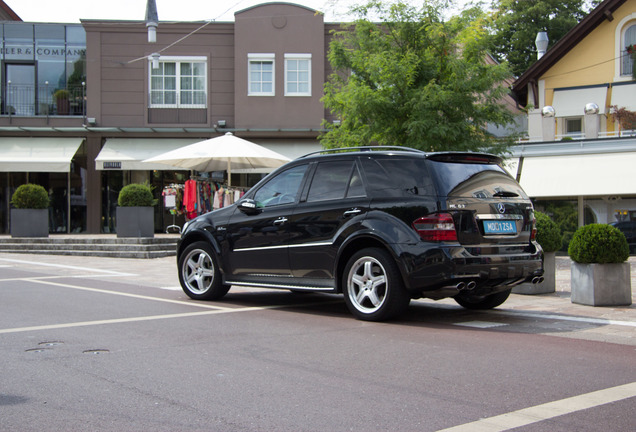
(199,274)
(372,286)
(485,302)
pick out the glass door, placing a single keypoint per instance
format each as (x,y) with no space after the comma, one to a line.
(20,96)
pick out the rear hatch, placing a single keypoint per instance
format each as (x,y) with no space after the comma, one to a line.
(489,208)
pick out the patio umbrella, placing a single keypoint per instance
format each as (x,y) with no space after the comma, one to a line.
(225,152)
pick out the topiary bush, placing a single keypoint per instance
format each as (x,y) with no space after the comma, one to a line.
(548,233)
(30,196)
(598,243)
(136,195)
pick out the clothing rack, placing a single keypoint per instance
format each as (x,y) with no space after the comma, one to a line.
(170,194)
(203,195)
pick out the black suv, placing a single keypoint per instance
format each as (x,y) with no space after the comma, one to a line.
(382,225)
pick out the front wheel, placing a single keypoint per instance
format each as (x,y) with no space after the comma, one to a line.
(372,286)
(482,303)
(198,273)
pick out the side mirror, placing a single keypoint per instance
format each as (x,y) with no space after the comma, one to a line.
(249,207)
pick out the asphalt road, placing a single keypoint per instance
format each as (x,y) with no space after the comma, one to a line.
(113,345)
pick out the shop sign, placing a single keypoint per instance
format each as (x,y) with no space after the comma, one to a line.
(112,165)
(42,52)
(60,53)
(17,52)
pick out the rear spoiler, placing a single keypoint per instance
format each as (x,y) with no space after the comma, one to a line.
(466,157)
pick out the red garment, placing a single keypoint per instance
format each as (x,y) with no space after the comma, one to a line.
(190,197)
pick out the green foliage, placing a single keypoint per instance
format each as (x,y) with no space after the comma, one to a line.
(514,25)
(565,215)
(30,196)
(414,80)
(136,195)
(598,243)
(548,233)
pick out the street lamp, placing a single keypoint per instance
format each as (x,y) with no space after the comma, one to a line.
(152,21)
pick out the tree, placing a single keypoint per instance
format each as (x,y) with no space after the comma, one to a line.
(514,26)
(413,79)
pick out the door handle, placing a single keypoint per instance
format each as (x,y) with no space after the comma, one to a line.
(280,221)
(352,212)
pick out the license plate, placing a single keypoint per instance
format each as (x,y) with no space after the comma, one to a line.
(500,227)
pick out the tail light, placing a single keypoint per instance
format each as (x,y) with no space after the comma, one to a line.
(533,231)
(436,227)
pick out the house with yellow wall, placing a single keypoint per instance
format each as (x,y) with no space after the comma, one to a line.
(574,150)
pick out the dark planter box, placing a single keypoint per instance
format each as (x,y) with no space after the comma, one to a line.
(135,222)
(29,222)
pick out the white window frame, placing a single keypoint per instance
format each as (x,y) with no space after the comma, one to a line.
(261,58)
(178,60)
(302,57)
(619,46)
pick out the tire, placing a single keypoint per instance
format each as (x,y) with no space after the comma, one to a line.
(482,303)
(372,286)
(199,273)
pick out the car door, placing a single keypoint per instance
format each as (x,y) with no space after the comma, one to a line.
(259,239)
(334,202)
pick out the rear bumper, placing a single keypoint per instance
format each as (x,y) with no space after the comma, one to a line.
(452,266)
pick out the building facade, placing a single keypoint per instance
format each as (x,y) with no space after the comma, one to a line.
(576,150)
(128,99)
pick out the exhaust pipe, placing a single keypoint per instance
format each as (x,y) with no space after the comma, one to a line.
(471,285)
(537,279)
(460,286)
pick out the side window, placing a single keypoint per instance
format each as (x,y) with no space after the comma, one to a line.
(395,178)
(282,189)
(331,181)
(356,188)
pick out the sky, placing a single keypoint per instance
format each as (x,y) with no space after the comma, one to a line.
(71,11)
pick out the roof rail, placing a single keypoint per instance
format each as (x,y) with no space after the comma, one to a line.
(362,148)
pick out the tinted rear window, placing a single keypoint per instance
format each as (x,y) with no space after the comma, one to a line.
(398,177)
(474,180)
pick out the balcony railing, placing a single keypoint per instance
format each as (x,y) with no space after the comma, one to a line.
(27,100)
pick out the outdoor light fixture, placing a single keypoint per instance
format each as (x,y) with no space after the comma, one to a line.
(541,43)
(547,111)
(152,21)
(155,60)
(591,108)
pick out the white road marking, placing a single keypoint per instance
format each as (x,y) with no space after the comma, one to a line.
(37,263)
(538,413)
(133,319)
(125,294)
(600,321)
(150,318)
(480,324)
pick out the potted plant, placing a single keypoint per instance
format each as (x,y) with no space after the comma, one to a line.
(550,239)
(135,214)
(30,212)
(62,98)
(600,273)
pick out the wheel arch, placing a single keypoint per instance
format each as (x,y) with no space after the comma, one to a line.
(358,243)
(194,236)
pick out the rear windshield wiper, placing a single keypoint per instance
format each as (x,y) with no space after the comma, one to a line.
(505,194)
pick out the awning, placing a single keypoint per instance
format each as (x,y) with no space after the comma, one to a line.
(579,175)
(624,96)
(570,102)
(127,153)
(37,154)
